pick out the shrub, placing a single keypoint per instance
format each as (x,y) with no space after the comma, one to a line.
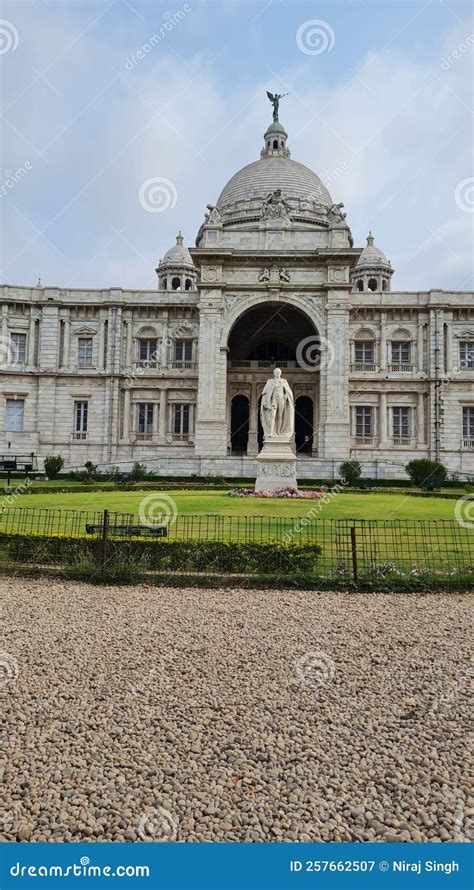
(138,473)
(424,473)
(90,469)
(53,465)
(350,471)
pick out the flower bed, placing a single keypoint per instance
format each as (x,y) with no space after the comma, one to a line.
(276,493)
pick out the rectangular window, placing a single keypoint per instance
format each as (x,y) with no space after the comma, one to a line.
(84,352)
(18,349)
(181,420)
(183,350)
(364,422)
(364,352)
(466,354)
(468,426)
(15,415)
(145,412)
(147,350)
(401,423)
(401,352)
(80,419)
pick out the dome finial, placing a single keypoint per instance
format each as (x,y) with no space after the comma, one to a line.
(370,239)
(179,237)
(275,100)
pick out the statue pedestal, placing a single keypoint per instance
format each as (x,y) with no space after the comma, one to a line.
(276,465)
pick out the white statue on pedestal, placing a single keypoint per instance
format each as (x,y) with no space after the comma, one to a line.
(277,411)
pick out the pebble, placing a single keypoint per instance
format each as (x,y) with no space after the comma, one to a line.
(169,714)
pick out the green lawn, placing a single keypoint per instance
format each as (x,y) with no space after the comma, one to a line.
(351,505)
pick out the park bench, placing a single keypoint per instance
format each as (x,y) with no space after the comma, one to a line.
(128,530)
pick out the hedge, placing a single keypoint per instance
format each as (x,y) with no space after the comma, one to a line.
(169,556)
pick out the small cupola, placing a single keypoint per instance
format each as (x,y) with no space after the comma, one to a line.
(176,271)
(373,271)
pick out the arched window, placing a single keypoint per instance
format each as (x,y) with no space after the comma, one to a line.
(175,283)
(372,284)
(275,143)
(360,284)
(384,285)
(401,351)
(188,284)
(364,350)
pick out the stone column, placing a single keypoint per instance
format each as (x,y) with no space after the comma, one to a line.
(101,344)
(162,417)
(126,414)
(334,437)
(449,346)
(252,447)
(420,420)
(5,330)
(382,419)
(165,346)
(383,342)
(211,426)
(67,331)
(31,340)
(419,347)
(129,343)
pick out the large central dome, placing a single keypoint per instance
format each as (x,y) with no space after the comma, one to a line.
(272,172)
(295,187)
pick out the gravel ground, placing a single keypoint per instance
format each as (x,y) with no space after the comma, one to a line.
(137,713)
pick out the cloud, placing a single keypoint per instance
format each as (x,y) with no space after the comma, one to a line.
(392,136)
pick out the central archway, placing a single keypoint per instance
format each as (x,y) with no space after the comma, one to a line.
(265,336)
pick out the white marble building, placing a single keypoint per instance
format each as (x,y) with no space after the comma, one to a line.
(172,377)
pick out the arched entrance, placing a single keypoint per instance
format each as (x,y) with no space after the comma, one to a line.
(266,336)
(304,425)
(239,424)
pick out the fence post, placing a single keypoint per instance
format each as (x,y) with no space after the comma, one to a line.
(355,573)
(105,538)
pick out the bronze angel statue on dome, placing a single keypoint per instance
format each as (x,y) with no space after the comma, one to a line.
(275,100)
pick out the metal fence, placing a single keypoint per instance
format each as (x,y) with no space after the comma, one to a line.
(350,549)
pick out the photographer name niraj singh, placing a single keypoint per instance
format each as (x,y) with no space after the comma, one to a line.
(430,865)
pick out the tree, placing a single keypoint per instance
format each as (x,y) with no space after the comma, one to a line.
(53,465)
(350,471)
(425,473)
(138,473)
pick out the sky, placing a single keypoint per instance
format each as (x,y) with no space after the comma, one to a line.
(121,120)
